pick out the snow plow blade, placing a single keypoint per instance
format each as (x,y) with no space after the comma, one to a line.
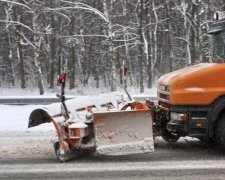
(123,132)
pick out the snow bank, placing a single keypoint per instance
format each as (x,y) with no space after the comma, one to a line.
(17,117)
(14,118)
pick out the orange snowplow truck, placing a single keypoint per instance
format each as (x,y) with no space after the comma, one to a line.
(192,100)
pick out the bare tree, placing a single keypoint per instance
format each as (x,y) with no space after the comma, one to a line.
(91,38)
(141,45)
(7,57)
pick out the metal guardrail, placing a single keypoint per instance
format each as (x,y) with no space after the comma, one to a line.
(17,100)
(143,98)
(30,100)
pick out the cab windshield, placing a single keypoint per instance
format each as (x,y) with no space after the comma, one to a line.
(218,46)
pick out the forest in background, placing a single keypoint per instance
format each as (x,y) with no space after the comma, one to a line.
(91,38)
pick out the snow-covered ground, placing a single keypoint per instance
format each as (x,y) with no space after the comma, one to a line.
(29,153)
(18,141)
(16,117)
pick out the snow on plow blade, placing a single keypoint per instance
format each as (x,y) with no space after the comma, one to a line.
(123,132)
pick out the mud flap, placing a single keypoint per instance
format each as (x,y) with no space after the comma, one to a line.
(123,132)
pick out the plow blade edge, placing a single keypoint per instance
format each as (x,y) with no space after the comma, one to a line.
(123,132)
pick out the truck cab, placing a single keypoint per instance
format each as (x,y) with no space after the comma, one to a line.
(192,99)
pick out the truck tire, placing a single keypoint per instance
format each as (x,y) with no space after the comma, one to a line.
(220,132)
(169,136)
(72,154)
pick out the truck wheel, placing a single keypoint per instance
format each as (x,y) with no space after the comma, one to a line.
(67,156)
(220,132)
(169,136)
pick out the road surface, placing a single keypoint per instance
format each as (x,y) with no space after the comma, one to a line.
(30,155)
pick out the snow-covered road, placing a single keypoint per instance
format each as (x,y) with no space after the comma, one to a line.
(28,154)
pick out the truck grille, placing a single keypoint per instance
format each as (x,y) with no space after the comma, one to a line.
(164,96)
(166,105)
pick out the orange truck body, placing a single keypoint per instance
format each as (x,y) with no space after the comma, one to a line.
(192,101)
(201,84)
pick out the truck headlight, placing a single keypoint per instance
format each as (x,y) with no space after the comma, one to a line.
(178,116)
(164,88)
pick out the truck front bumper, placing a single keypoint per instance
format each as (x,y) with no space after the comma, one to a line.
(178,128)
